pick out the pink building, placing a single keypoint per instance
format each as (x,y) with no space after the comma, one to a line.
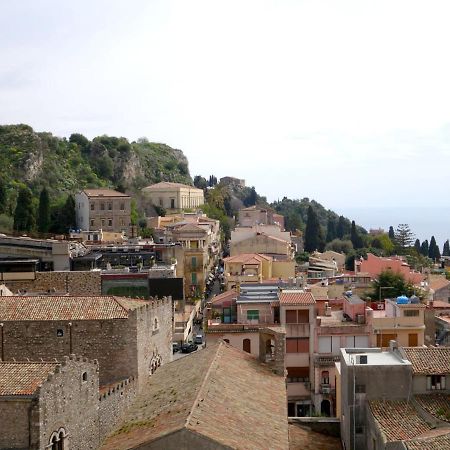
(374,265)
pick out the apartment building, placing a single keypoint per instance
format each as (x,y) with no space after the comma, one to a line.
(103,209)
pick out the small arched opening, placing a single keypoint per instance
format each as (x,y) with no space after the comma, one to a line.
(247,345)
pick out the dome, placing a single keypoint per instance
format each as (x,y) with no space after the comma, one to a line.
(402,300)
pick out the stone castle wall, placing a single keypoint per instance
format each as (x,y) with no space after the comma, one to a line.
(72,283)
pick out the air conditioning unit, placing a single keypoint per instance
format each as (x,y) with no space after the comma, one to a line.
(326,390)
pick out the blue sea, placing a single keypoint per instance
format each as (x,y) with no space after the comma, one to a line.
(424,222)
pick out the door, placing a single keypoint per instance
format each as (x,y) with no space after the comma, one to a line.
(413,340)
(246,345)
(383,339)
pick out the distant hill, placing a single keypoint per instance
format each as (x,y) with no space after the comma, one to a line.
(39,159)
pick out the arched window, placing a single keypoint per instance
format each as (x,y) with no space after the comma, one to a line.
(246,345)
(325,377)
(155,324)
(54,443)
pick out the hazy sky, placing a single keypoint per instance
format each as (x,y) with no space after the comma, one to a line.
(347,102)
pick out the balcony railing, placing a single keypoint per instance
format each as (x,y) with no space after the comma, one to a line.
(326,360)
(326,389)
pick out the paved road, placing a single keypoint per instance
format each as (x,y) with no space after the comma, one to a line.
(180,355)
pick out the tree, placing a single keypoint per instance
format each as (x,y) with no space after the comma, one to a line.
(43,221)
(417,246)
(391,233)
(392,283)
(251,198)
(331,229)
(446,249)
(313,234)
(24,217)
(212,181)
(433,250)
(424,248)
(2,196)
(200,182)
(382,241)
(355,237)
(340,246)
(343,227)
(68,214)
(404,237)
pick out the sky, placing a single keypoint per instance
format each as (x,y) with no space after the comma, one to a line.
(346,102)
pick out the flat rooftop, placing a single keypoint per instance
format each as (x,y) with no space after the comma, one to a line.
(375,357)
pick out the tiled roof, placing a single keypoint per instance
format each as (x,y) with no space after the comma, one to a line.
(296,298)
(226,296)
(438,405)
(441,442)
(104,193)
(398,420)
(306,439)
(66,308)
(428,360)
(220,393)
(23,378)
(168,184)
(247,258)
(189,227)
(437,282)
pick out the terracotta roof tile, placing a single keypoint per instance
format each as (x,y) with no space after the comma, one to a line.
(168,184)
(428,360)
(438,405)
(66,308)
(220,393)
(296,298)
(23,378)
(441,442)
(247,258)
(104,193)
(398,420)
(438,282)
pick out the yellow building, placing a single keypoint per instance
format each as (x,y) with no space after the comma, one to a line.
(174,196)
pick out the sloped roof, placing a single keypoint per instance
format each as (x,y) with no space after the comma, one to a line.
(398,419)
(168,185)
(226,296)
(104,193)
(66,308)
(440,442)
(220,392)
(438,405)
(188,228)
(437,282)
(247,258)
(428,360)
(296,298)
(23,378)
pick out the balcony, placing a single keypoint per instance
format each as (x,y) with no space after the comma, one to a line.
(323,361)
(297,330)
(327,389)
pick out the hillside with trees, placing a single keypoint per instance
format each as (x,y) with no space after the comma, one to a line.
(45,171)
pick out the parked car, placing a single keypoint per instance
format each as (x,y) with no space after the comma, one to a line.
(189,347)
(176,347)
(198,339)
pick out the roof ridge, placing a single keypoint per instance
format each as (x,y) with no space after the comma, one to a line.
(200,391)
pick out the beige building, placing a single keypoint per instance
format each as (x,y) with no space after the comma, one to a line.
(404,323)
(174,196)
(254,215)
(103,209)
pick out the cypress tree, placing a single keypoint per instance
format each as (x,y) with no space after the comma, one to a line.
(43,222)
(68,214)
(355,237)
(24,219)
(433,250)
(446,249)
(2,196)
(331,229)
(342,227)
(391,234)
(424,248)
(417,246)
(313,233)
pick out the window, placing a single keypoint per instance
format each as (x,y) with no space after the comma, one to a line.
(194,262)
(92,222)
(297,374)
(193,278)
(59,332)
(84,376)
(92,206)
(155,324)
(103,222)
(109,222)
(102,206)
(122,206)
(246,345)
(435,382)
(360,389)
(109,206)
(172,203)
(297,316)
(325,377)
(297,345)
(411,312)
(253,314)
